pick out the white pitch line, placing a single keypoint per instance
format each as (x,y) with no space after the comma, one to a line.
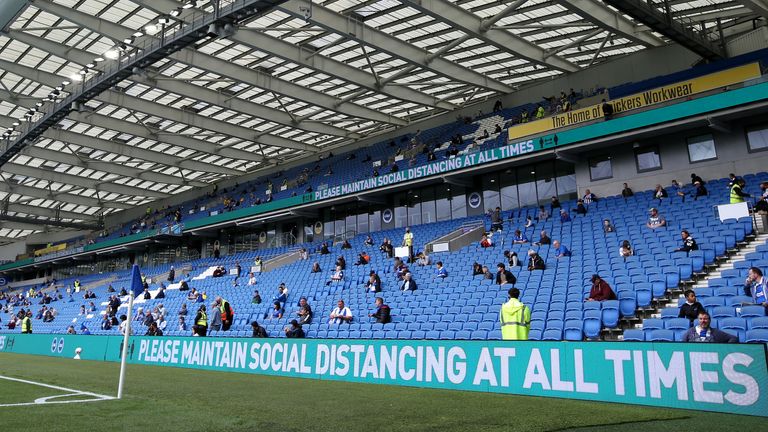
(44,400)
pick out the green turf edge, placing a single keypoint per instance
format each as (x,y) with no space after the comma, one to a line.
(186,399)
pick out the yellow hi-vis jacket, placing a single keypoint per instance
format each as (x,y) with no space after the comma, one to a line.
(735,198)
(203,321)
(26,325)
(515,320)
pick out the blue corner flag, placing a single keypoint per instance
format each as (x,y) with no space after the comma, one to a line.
(136,286)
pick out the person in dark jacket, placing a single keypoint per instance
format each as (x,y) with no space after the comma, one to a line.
(535,261)
(408,283)
(691,308)
(258,331)
(689,244)
(627,192)
(704,333)
(382,314)
(294,331)
(154,330)
(600,291)
(699,191)
(374,282)
(477,269)
(504,276)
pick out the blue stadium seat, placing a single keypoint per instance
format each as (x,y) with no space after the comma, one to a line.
(757,323)
(757,335)
(735,326)
(752,311)
(573,330)
(634,335)
(653,324)
(677,324)
(610,313)
(661,336)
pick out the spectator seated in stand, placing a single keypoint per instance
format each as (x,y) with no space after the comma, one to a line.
(560,250)
(374,282)
(316,267)
(382,314)
(519,238)
(258,331)
(440,271)
(294,331)
(625,249)
(543,239)
(504,276)
(704,333)
(408,283)
(340,314)
(691,308)
(655,220)
(535,261)
(486,241)
(689,244)
(608,226)
(600,290)
(564,216)
(363,258)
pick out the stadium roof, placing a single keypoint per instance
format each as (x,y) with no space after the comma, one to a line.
(280,87)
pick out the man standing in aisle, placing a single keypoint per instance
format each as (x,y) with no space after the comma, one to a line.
(408,242)
(226,313)
(515,317)
(26,323)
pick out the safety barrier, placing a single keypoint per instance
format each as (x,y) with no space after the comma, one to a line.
(710,377)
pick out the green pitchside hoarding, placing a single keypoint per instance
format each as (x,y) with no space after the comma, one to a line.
(711,377)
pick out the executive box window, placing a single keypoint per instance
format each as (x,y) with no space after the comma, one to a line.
(701,148)
(600,168)
(757,139)
(647,159)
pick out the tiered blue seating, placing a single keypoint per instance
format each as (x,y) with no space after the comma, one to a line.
(466,307)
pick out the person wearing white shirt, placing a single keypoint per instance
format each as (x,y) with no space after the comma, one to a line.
(408,283)
(162,323)
(123,325)
(340,314)
(252,279)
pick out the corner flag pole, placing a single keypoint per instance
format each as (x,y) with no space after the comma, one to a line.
(124,355)
(137,286)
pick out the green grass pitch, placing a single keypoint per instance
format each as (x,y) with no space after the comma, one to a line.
(169,399)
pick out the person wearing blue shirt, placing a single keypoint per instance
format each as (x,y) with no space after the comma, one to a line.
(519,238)
(276,312)
(756,287)
(560,250)
(564,216)
(440,272)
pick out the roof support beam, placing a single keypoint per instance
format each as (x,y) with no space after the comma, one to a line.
(52,176)
(232,70)
(470,23)
(119,99)
(759,7)
(108,167)
(59,196)
(298,55)
(132,151)
(183,141)
(33,222)
(26,226)
(163,111)
(575,42)
(337,23)
(254,38)
(51,213)
(615,22)
(124,149)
